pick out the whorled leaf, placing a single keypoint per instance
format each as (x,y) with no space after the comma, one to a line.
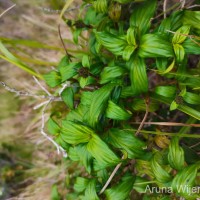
(90,191)
(111,73)
(191,98)
(115,112)
(141,16)
(186,179)
(155,45)
(191,18)
(179,52)
(68,97)
(115,44)
(125,140)
(122,190)
(181,34)
(138,75)
(81,154)
(101,152)
(166,91)
(176,154)
(98,104)
(53,127)
(74,133)
(160,174)
(53,78)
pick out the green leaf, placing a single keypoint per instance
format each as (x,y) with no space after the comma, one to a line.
(186,109)
(128,52)
(179,52)
(53,127)
(191,98)
(173,105)
(85,61)
(125,140)
(84,156)
(73,133)
(191,46)
(140,105)
(181,34)
(186,179)
(81,184)
(69,70)
(169,69)
(12,59)
(76,33)
(152,46)
(140,184)
(101,152)
(191,18)
(53,78)
(122,190)
(111,73)
(68,97)
(114,111)
(176,154)
(100,6)
(138,75)
(160,174)
(64,62)
(55,194)
(90,192)
(161,64)
(86,81)
(141,16)
(131,36)
(166,91)
(115,44)
(99,103)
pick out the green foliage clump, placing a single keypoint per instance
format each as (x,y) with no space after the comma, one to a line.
(129,62)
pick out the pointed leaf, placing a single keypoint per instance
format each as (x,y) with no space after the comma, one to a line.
(114,111)
(68,97)
(53,127)
(111,73)
(141,16)
(101,152)
(176,154)
(139,81)
(122,190)
(53,78)
(152,45)
(73,133)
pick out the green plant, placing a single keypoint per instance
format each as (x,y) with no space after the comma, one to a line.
(108,86)
(130,65)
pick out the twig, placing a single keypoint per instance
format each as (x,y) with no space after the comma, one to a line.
(189,36)
(119,165)
(171,8)
(45,104)
(59,148)
(164,8)
(195,145)
(67,84)
(193,6)
(145,116)
(28,94)
(167,124)
(111,177)
(63,44)
(182,3)
(42,87)
(8,9)
(40,105)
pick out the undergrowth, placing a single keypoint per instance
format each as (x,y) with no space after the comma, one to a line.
(131,88)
